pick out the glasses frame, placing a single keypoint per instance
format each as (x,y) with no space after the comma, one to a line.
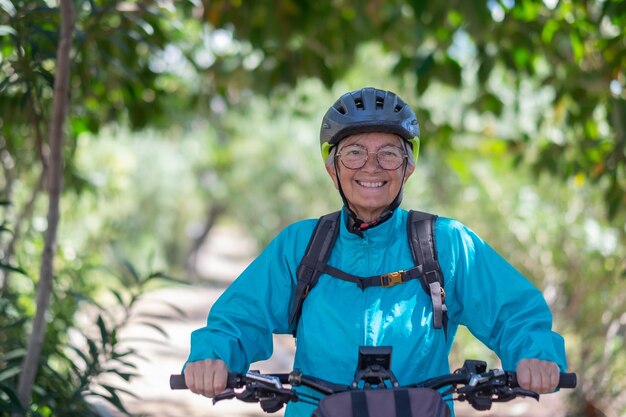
(367,157)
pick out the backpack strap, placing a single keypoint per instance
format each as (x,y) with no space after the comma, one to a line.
(317,252)
(421,233)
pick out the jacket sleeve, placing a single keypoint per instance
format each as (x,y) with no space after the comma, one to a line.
(241,322)
(498,304)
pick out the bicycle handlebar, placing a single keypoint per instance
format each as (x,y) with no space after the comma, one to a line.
(472,383)
(237,380)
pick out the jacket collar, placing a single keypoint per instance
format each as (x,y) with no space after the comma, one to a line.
(381,234)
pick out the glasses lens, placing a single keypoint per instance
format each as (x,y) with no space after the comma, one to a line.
(390,157)
(353,156)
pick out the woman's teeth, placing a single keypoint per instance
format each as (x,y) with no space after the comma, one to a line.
(368,184)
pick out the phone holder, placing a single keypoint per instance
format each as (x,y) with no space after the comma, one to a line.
(374,367)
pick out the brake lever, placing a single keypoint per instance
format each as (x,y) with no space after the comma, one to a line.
(525,393)
(226,395)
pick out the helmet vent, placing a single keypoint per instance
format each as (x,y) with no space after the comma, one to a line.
(380,102)
(397,108)
(359,104)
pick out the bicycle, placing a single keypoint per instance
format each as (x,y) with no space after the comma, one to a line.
(374,380)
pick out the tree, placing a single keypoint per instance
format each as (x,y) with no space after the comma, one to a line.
(59,114)
(573,51)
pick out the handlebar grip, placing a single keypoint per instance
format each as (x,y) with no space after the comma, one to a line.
(566,380)
(178,382)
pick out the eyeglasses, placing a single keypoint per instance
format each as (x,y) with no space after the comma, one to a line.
(355,157)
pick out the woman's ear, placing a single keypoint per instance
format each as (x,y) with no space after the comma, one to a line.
(330,168)
(409,171)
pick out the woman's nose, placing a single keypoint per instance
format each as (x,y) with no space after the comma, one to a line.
(372,162)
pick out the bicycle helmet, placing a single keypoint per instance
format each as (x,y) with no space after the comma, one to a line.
(368,110)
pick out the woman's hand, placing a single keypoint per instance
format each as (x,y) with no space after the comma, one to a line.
(538,375)
(207,377)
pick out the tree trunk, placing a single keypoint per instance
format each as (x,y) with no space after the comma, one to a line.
(44,288)
(213,213)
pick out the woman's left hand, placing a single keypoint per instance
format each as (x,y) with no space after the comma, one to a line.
(538,375)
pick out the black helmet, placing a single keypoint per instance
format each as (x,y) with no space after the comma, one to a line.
(368,110)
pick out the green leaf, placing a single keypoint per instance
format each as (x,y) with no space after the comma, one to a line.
(14,404)
(83,297)
(549,29)
(450,72)
(13,268)
(14,354)
(163,317)
(489,102)
(104,334)
(119,297)
(132,271)
(113,399)
(93,351)
(165,277)
(425,64)
(577,47)
(7,30)
(8,7)
(112,389)
(177,309)
(117,355)
(4,228)
(154,326)
(10,372)
(486,66)
(79,353)
(126,376)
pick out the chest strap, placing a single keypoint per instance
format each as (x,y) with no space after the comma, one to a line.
(429,282)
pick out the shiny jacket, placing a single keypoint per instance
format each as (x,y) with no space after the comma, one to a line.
(483,292)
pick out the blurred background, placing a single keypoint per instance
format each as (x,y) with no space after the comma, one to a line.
(191,140)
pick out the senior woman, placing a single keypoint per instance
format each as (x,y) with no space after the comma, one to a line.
(370,141)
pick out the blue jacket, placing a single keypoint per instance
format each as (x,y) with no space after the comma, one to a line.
(483,292)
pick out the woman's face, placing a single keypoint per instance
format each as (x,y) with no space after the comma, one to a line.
(370,189)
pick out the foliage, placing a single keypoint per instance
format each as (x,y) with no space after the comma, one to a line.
(573,51)
(81,360)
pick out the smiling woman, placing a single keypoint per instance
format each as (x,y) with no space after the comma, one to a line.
(374,274)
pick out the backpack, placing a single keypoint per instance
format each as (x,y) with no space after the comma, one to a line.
(421,238)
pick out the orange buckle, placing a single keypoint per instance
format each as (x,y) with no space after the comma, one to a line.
(391,279)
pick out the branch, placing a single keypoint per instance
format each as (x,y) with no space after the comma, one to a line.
(44,288)
(24,215)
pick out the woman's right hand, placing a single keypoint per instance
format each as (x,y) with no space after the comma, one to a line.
(207,377)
